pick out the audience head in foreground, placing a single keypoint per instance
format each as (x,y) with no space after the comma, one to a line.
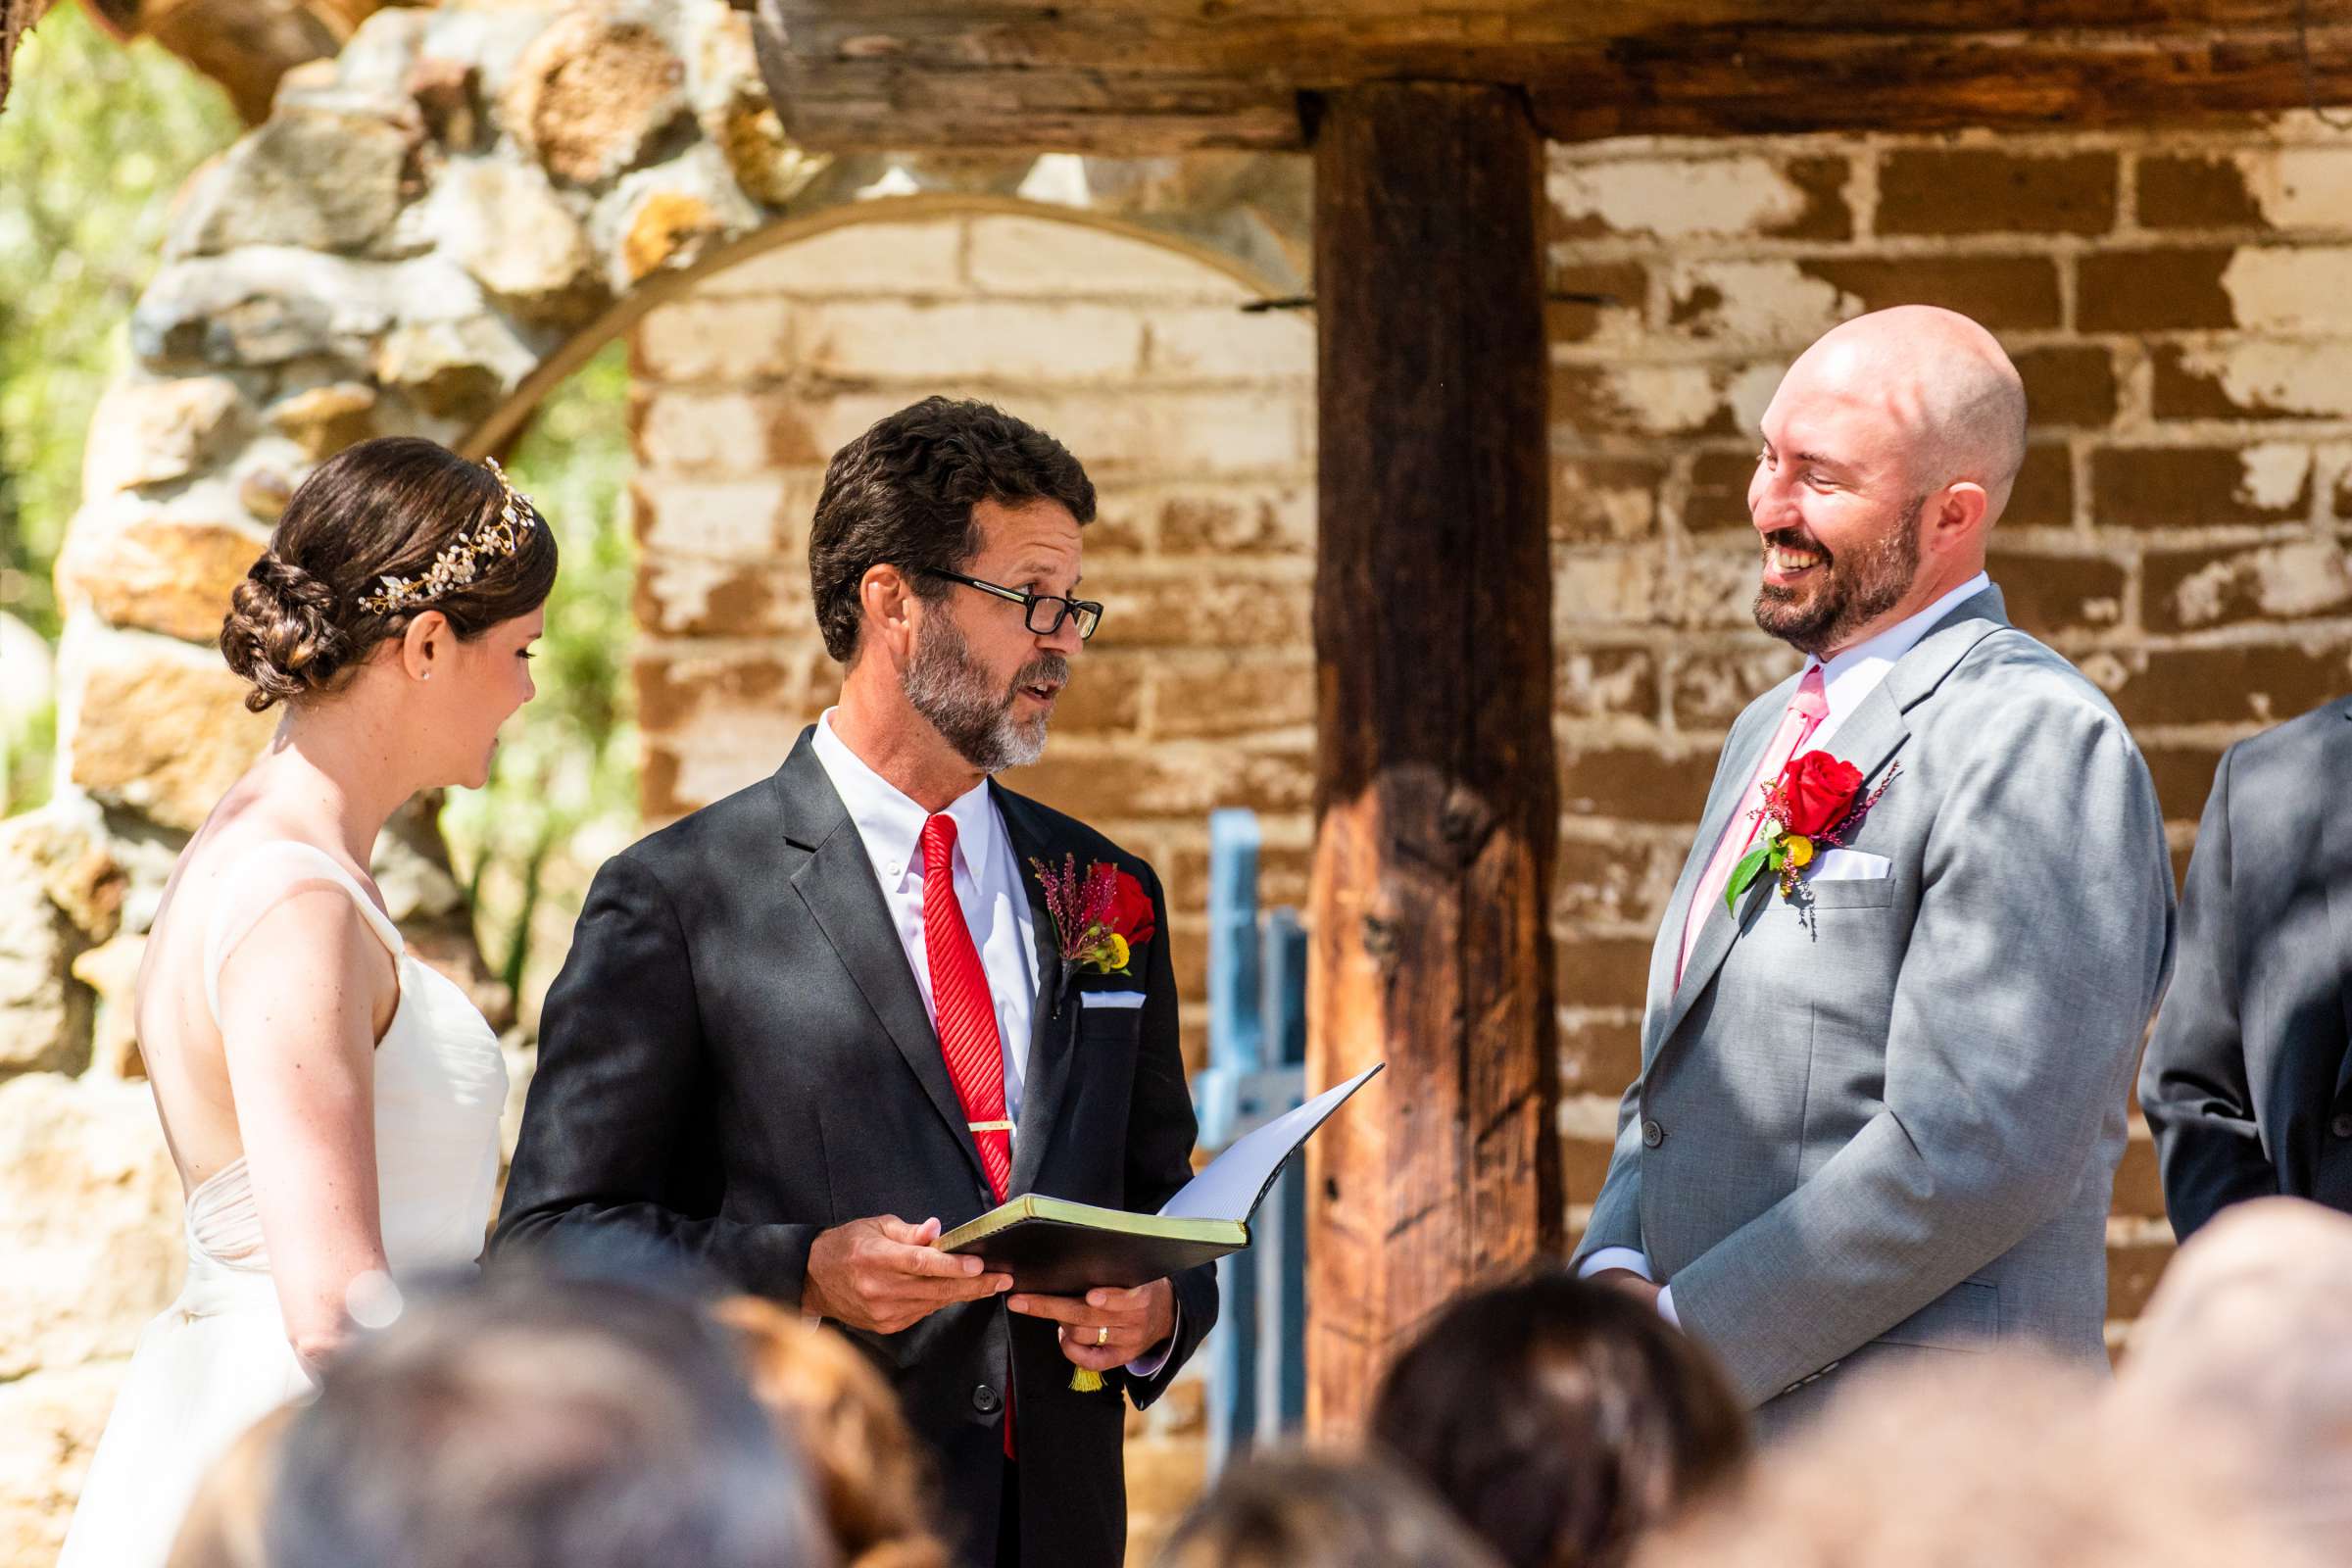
(1970,1461)
(1313,1511)
(872,1479)
(538,1423)
(1562,1419)
(2247,1346)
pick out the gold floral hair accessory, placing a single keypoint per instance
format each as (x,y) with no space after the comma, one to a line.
(461,559)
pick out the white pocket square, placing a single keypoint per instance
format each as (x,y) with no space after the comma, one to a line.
(1111,998)
(1850,866)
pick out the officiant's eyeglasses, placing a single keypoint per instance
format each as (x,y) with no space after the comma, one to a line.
(1051,609)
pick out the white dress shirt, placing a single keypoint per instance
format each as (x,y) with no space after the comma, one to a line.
(1847,681)
(988,886)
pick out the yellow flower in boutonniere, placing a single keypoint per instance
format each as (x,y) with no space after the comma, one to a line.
(1798,849)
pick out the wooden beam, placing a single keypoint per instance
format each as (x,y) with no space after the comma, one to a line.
(1160,75)
(1437,795)
(1712,83)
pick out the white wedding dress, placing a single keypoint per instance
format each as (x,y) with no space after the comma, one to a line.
(218,1358)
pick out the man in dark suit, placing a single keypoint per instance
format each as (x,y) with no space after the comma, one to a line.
(2248,1082)
(806,1029)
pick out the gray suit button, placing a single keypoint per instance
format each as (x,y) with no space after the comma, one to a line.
(1653,1135)
(2342,1126)
(985,1400)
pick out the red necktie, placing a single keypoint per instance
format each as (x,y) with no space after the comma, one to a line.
(964,1013)
(965,1019)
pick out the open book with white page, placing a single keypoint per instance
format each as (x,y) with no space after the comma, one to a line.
(1057,1247)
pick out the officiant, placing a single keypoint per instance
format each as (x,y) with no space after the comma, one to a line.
(806,1029)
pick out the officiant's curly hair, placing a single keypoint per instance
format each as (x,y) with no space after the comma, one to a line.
(902,494)
(300,621)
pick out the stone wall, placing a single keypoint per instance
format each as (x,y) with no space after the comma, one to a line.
(2180,306)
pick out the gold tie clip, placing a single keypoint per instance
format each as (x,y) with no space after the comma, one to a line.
(990,1126)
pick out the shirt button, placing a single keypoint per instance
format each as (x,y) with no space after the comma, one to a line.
(897,869)
(1653,1135)
(2342,1126)
(985,1400)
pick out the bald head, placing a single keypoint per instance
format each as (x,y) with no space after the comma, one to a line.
(1889,449)
(1944,383)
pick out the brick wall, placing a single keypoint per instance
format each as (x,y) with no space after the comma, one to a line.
(1195,422)
(2180,306)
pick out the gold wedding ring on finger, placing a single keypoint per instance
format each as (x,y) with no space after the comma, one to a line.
(1102,1336)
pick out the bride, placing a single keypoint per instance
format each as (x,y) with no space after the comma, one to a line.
(331,1102)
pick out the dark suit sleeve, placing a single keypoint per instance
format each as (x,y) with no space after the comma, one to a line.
(2193,1083)
(614,1119)
(1161,1133)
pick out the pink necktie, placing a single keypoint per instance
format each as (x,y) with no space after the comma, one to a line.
(1806,710)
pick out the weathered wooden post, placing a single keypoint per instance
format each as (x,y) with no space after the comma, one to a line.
(1437,795)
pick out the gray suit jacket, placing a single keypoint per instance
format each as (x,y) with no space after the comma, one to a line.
(1894,1125)
(2248,1081)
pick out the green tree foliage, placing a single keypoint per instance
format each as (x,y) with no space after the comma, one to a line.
(96,138)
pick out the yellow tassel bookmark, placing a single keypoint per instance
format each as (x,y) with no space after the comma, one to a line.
(1085,1380)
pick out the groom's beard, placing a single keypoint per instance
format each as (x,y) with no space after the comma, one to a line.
(1853,589)
(975,715)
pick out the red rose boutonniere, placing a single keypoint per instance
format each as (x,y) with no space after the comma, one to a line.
(1100,918)
(1811,804)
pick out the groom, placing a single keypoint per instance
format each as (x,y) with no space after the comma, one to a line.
(806,1029)
(1883,1081)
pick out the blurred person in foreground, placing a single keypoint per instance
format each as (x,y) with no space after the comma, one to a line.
(331,1101)
(542,1423)
(1999,1460)
(2248,1079)
(874,1479)
(2247,1346)
(1560,1419)
(1304,1510)
(1899,992)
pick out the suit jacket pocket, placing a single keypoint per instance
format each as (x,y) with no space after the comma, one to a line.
(1966,1317)
(1853,893)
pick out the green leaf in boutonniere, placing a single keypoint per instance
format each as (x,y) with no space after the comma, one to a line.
(1751,866)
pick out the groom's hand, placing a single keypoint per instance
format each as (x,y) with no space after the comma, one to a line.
(1631,1282)
(884,1275)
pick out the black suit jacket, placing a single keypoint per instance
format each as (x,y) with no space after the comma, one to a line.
(2247,1083)
(736,1056)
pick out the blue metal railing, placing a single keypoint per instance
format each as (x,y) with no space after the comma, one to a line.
(1256,1070)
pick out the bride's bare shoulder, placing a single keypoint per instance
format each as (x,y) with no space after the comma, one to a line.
(246,822)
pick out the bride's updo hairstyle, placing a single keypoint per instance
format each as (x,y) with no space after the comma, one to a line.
(379,533)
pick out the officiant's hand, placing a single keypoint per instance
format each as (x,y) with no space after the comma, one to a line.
(884,1275)
(1106,1328)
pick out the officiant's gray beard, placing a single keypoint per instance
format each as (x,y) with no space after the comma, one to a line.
(1864,584)
(944,684)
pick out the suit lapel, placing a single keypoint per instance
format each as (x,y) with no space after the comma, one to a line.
(2335,859)
(1869,739)
(1052,1028)
(1728,799)
(837,884)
